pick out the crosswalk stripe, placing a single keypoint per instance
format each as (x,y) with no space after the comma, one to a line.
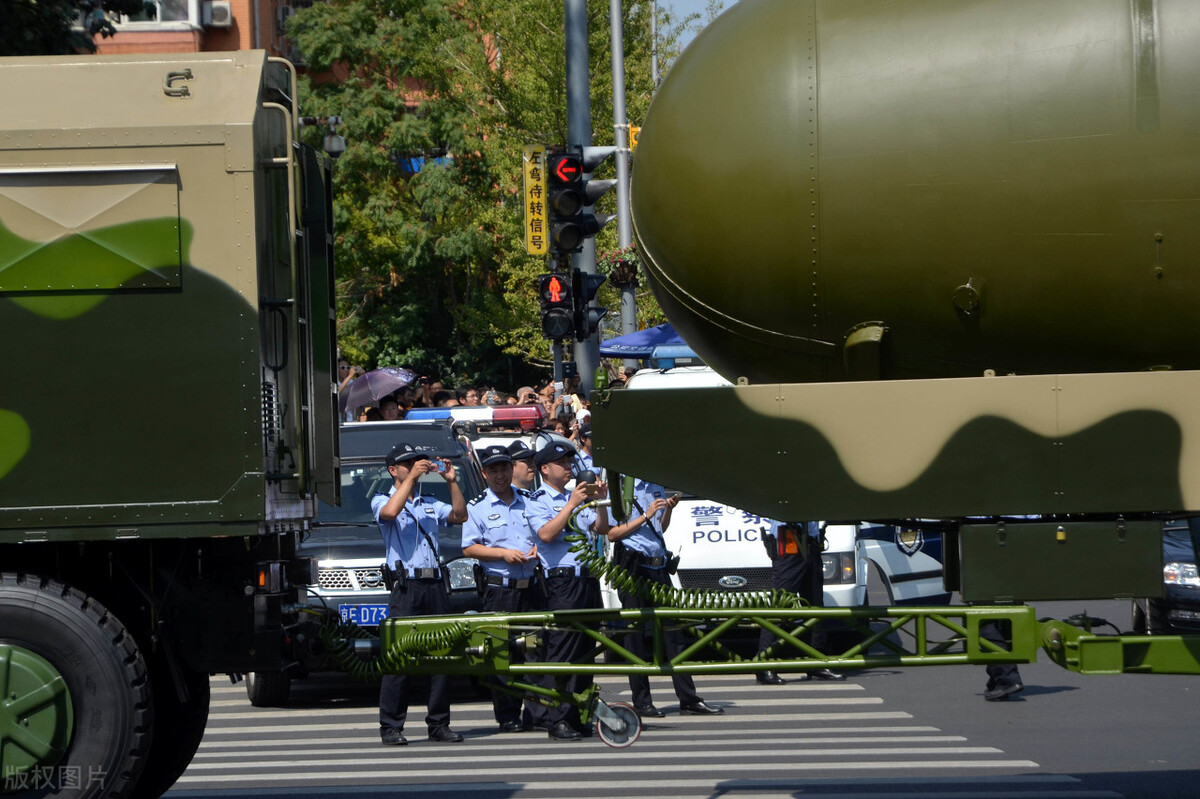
(241,748)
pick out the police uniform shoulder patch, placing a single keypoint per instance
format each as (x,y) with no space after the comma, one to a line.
(525,493)
(478,499)
(538,494)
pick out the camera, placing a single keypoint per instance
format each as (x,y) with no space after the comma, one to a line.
(439,466)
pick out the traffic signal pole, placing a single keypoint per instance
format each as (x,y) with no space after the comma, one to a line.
(579,135)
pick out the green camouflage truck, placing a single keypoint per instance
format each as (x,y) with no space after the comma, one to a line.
(167,419)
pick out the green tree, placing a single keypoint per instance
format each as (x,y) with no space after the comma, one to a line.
(438,100)
(48,27)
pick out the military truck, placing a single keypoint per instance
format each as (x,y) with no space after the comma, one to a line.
(167,420)
(946,252)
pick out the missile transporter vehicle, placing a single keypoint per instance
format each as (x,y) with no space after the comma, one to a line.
(167,420)
(947,252)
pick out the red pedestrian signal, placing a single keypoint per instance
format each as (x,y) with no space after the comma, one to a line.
(554,297)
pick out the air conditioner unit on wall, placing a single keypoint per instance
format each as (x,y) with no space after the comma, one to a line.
(217,14)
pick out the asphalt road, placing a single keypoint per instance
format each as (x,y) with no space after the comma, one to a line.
(883,734)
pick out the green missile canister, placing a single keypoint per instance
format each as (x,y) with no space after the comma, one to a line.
(832,190)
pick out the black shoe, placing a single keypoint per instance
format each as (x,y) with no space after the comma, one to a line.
(826,674)
(512,726)
(649,712)
(770,678)
(391,736)
(585,730)
(1001,693)
(700,709)
(563,732)
(444,735)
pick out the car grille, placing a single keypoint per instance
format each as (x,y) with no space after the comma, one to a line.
(350,579)
(757,579)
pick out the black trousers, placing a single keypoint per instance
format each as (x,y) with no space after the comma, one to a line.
(498,599)
(800,575)
(569,593)
(640,642)
(999,674)
(416,598)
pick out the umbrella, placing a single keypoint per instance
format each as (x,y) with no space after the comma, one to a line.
(642,343)
(373,386)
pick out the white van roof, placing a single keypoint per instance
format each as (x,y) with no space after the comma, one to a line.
(679,377)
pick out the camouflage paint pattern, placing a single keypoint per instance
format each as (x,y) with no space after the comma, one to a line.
(948,448)
(138,231)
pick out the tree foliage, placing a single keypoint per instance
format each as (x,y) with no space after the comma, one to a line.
(47,27)
(437,100)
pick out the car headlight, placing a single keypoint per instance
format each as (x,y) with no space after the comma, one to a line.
(462,574)
(1176,573)
(838,567)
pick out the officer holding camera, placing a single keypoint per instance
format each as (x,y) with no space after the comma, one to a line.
(570,584)
(641,548)
(409,525)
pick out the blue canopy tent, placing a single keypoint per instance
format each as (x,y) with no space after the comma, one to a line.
(641,343)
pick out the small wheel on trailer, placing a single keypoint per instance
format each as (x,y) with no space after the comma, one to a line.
(77,694)
(619,739)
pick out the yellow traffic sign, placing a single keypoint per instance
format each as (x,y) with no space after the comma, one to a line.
(534,167)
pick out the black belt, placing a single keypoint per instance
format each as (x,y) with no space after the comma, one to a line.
(653,563)
(423,574)
(568,571)
(508,582)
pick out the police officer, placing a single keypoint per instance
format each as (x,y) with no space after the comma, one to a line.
(570,584)
(640,545)
(523,467)
(795,553)
(584,458)
(499,536)
(409,524)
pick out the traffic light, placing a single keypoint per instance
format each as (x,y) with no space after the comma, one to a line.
(558,312)
(565,201)
(586,317)
(569,193)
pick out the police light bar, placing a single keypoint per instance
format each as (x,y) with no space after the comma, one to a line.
(527,417)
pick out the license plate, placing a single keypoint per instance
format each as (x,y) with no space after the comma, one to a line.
(363,614)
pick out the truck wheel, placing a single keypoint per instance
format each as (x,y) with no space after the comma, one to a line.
(76,695)
(178,730)
(268,688)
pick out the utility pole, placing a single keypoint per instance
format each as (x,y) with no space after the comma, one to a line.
(621,137)
(654,43)
(579,135)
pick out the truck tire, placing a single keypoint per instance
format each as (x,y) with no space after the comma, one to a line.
(178,729)
(268,688)
(68,639)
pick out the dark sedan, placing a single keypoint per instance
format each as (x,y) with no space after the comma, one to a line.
(1178,611)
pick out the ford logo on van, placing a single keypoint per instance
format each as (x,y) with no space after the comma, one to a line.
(732,581)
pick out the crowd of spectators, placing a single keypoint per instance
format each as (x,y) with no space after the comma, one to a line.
(566,410)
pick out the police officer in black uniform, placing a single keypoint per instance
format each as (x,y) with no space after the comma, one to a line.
(795,553)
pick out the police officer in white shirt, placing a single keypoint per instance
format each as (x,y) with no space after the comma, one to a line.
(570,584)
(500,537)
(640,547)
(409,525)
